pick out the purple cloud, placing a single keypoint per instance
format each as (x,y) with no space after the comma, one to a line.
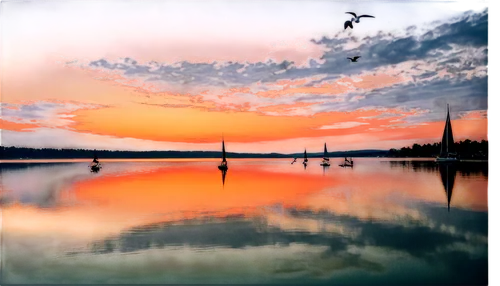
(41,110)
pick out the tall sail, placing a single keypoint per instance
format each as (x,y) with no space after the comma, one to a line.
(325,153)
(223,152)
(448,173)
(447,143)
(305,156)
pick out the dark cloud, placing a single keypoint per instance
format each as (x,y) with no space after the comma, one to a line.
(377,51)
(380,50)
(41,110)
(429,97)
(427,75)
(209,74)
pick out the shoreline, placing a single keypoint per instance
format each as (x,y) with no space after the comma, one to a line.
(75,160)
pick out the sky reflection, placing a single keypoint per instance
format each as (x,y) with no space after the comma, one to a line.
(174,222)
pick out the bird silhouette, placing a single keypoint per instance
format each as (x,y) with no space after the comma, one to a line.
(356,18)
(348,24)
(354,59)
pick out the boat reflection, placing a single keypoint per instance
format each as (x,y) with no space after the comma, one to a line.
(324,169)
(224,172)
(448,173)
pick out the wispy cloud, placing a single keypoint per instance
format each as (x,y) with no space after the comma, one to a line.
(44,113)
(415,68)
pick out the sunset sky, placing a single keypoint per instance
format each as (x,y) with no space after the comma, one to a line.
(269,76)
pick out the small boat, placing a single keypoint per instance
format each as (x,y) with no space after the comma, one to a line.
(305,159)
(448,153)
(347,163)
(223,164)
(326,160)
(95,166)
(294,160)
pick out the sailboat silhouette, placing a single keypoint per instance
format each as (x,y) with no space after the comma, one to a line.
(95,166)
(326,160)
(448,153)
(223,164)
(305,159)
(448,173)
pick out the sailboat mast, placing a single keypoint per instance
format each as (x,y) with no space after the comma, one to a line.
(446,128)
(223,152)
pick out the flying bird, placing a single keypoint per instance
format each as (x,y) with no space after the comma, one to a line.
(348,24)
(354,59)
(356,18)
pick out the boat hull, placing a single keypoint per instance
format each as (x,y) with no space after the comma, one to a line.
(223,168)
(95,169)
(345,165)
(447,159)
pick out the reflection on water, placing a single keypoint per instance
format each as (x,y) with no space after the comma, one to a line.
(224,172)
(324,169)
(464,168)
(448,173)
(383,222)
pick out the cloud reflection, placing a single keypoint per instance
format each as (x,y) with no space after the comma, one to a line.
(34,184)
(341,242)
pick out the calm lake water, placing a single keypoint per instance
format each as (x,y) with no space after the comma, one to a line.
(173,221)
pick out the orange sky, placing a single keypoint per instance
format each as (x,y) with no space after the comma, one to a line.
(47,103)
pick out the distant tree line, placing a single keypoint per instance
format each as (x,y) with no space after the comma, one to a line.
(466,149)
(52,153)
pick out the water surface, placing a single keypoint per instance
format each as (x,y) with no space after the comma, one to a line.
(176,221)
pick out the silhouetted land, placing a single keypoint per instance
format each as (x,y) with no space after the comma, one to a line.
(47,153)
(466,149)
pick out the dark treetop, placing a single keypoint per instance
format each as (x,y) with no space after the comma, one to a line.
(466,150)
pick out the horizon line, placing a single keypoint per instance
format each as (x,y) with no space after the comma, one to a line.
(205,151)
(246,152)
